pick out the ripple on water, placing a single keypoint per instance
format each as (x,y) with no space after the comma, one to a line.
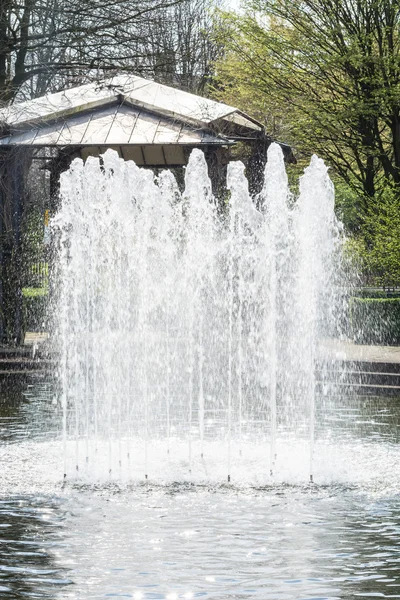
(175,538)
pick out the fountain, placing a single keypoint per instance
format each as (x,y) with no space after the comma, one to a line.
(189,329)
(194,410)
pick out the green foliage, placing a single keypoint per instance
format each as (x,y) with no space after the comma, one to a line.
(375,320)
(347,206)
(372,293)
(353,261)
(31,292)
(322,75)
(376,253)
(239,79)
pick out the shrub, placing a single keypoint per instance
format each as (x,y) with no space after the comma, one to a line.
(376,293)
(381,233)
(375,320)
(373,252)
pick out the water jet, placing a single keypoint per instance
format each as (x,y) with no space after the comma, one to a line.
(162,300)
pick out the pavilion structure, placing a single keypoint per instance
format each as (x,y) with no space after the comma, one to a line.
(152,124)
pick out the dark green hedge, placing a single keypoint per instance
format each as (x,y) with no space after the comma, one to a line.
(375,320)
(375,293)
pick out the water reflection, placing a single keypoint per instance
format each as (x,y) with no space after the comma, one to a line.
(28,410)
(31,528)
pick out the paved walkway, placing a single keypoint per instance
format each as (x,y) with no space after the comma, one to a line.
(347,350)
(32,337)
(336,349)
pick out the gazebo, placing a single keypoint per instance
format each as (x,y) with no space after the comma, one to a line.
(152,124)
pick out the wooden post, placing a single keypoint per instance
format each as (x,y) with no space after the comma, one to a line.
(258,158)
(217,161)
(256,165)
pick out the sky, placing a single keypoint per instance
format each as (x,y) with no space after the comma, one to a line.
(232,4)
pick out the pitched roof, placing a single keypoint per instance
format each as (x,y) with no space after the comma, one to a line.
(124,110)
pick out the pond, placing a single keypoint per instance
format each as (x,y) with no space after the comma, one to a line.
(289,540)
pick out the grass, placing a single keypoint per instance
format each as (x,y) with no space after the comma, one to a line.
(31,292)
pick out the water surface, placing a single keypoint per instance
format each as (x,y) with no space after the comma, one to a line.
(285,540)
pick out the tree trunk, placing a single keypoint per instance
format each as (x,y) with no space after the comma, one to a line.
(396,144)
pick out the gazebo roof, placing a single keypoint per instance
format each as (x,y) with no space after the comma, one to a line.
(124,111)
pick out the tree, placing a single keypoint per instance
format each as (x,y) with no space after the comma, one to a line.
(47,44)
(330,71)
(180,48)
